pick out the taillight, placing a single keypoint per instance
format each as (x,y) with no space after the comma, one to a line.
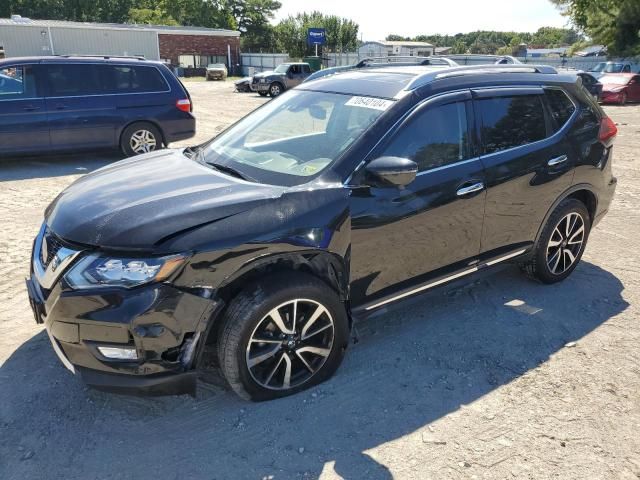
(184,105)
(608,129)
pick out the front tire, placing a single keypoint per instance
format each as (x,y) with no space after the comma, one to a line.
(263,94)
(282,335)
(561,243)
(140,137)
(275,89)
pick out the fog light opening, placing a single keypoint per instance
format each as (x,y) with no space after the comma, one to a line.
(119,353)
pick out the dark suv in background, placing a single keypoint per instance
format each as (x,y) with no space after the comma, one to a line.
(335,201)
(53,104)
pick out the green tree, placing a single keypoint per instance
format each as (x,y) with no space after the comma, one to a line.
(291,33)
(614,23)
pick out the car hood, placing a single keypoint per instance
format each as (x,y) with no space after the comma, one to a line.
(268,73)
(612,87)
(139,203)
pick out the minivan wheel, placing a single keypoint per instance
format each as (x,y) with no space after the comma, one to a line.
(275,89)
(281,336)
(561,244)
(140,138)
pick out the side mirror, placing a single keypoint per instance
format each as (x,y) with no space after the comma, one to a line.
(390,172)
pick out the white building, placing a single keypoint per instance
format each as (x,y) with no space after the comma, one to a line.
(395,48)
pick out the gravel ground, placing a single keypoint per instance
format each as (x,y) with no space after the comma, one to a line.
(498,378)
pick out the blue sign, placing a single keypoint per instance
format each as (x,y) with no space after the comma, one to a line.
(316,36)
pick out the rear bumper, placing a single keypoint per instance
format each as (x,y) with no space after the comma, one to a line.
(182,129)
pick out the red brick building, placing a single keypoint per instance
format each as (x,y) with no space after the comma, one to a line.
(192,47)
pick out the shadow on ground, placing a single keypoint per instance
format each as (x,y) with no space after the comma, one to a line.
(47,166)
(411,367)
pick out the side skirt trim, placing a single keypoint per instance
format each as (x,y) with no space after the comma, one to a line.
(435,283)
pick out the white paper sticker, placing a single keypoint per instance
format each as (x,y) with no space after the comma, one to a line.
(368,102)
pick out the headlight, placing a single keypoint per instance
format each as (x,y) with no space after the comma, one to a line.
(97,271)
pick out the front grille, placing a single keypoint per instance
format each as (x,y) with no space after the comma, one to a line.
(50,247)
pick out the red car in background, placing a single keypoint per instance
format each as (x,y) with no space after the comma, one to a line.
(620,88)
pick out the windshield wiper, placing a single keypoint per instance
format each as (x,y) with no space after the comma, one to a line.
(197,152)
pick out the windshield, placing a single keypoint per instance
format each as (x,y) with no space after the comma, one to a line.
(599,67)
(216,65)
(614,79)
(282,68)
(613,68)
(295,136)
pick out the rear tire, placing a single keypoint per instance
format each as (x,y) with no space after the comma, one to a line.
(561,243)
(293,356)
(139,138)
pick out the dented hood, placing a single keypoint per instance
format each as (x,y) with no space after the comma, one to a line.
(140,202)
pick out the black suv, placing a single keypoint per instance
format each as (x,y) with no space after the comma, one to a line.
(336,200)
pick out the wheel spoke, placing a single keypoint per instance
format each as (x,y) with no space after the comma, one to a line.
(306,364)
(312,319)
(278,320)
(557,260)
(262,357)
(323,352)
(274,370)
(317,331)
(295,313)
(571,256)
(572,240)
(286,383)
(265,340)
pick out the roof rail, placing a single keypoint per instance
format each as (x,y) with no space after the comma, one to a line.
(429,77)
(382,62)
(106,57)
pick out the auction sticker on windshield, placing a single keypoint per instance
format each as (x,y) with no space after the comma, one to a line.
(368,102)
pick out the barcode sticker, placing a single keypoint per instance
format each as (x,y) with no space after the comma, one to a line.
(368,102)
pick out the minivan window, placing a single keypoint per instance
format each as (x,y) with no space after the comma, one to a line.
(511,121)
(132,79)
(435,137)
(69,80)
(17,82)
(560,105)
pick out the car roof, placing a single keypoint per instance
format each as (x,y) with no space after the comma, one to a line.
(77,59)
(388,81)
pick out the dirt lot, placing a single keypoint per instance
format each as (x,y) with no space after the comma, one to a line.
(500,378)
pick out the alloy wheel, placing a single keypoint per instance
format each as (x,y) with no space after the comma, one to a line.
(143,141)
(565,243)
(290,344)
(275,90)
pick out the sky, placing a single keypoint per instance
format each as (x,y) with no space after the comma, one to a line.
(378,18)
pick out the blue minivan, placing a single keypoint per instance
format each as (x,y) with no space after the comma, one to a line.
(54,104)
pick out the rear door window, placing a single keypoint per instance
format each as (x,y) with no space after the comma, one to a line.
(511,121)
(435,137)
(72,80)
(560,106)
(17,82)
(133,79)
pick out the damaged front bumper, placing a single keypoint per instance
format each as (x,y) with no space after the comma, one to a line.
(166,326)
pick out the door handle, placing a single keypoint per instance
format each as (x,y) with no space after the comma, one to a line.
(31,108)
(476,187)
(60,106)
(557,161)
